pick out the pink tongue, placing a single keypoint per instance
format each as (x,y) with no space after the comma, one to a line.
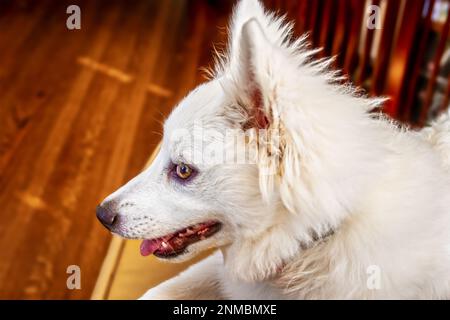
(148,247)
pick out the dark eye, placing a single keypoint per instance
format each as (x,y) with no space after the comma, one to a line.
(183,171)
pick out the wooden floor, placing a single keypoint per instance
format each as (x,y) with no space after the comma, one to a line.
(80,113)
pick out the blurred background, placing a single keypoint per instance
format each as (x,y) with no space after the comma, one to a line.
(81,112)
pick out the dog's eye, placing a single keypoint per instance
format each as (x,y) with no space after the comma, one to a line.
(183,171)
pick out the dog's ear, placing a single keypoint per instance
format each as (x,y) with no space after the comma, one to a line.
(253,74)
(251,65)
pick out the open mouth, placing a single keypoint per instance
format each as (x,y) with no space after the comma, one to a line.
(174,244)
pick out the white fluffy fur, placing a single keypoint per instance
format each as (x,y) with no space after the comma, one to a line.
(383,189)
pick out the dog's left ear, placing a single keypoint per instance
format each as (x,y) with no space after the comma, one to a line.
(258,71)
(252,70)
(258,65)
(252,74)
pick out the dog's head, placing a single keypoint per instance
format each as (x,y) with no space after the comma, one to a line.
(256,161)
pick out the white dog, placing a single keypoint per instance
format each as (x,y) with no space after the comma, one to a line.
(331,200)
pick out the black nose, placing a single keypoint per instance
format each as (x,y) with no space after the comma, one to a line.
(107,217)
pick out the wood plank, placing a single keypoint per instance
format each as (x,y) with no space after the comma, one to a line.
(365,62)
(341,33)
(435,68)
(406,108)
(356,16)
(108,270)
(302,19)
(397,76)
(385,47)
(327,27)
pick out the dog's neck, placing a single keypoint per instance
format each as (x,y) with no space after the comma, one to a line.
(304,246)
(277,257)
